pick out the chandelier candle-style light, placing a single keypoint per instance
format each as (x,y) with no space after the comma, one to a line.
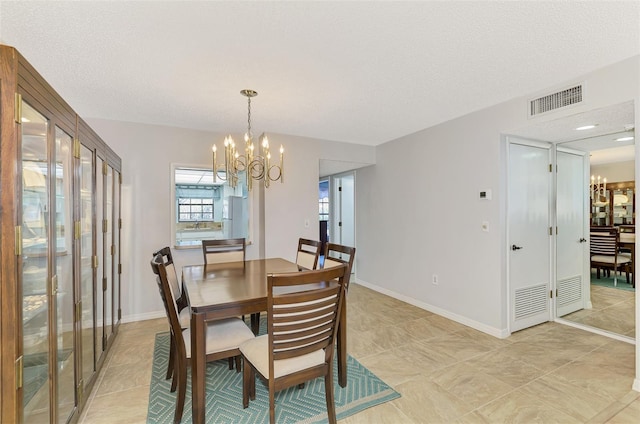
(598,189)
(256,167)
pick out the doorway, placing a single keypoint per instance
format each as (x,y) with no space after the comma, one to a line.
(614,127)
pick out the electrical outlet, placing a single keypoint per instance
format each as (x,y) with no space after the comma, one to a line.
(434,279)
(306,223)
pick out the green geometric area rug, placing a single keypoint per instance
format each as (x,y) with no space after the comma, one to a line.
(293,405)
(608,282)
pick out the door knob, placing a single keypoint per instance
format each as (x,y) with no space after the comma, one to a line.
(514,247)
(582,240)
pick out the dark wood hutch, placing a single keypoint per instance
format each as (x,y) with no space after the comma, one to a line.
(59,249)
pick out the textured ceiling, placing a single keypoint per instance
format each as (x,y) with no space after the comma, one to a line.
(360,72)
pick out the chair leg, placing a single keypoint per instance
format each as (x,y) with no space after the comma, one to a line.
(170,365)
(328,393)
(626,271)
(246,389)
(255,323)
(230,363)
(252,383)
(181,376)
(272,403)
(174,382)
(238,359)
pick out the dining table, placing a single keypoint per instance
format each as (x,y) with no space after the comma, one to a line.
(225,290)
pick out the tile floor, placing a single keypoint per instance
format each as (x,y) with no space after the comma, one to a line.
(445,371)
(612,310)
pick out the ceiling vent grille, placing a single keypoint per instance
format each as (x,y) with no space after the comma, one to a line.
(554,101)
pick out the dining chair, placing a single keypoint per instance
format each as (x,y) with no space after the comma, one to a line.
(223,250)
(605,255)
(301,331)
(336,255)
(184,315)
(223,337)
(228,250)
(308,254)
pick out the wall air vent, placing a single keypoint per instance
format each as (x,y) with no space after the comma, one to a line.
(554,101)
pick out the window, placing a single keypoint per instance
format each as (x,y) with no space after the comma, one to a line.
(323,200)
(204,209)
(195,209)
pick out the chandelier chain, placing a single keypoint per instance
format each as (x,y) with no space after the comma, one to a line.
(249,118)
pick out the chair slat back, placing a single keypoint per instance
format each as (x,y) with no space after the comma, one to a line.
(603,244)
(304,320)
(224,250)
(308,253)
(171,308)
(336,255)
(172,276)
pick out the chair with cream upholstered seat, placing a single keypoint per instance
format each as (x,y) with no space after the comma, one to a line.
(223,337)
(184,315)
(228,250)
(336,255)
(605,255)
(223,250)
(308,254)
(299,344)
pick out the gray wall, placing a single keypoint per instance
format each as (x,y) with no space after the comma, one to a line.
(419,211)
(278,215)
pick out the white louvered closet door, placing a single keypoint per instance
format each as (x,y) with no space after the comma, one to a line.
(572,269)
(529,186)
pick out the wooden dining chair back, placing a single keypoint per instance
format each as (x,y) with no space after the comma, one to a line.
(336,255)
(184,316)
(223,337)
(308,254)
(172,275)
(301,331)
(223,250)
(605,255)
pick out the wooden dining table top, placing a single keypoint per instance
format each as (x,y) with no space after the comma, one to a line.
(230,283)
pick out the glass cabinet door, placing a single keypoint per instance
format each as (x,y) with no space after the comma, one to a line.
(623,206)
(35,265)
(64,292)
(100,336)
(108,305)
(87,277)
(116,244)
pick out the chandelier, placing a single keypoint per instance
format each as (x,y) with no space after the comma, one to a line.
(256,167)
(598,190)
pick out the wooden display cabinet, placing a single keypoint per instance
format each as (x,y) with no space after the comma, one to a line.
(616,207)
(59,250)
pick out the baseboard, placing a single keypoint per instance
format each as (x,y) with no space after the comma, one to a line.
(492,331)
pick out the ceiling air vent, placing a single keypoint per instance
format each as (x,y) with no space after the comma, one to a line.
(554,101)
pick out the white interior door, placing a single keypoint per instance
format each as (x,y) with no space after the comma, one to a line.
(344,210)
(572,260)
(528,233)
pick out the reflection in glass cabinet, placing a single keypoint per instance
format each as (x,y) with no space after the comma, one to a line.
(65,351)
(613,204)
(35,245)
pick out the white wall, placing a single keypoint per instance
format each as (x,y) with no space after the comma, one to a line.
(147,152)
(289,205)
(419,211)
(615,172)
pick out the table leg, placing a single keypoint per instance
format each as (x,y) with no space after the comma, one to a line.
(342,346)
(198,365)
